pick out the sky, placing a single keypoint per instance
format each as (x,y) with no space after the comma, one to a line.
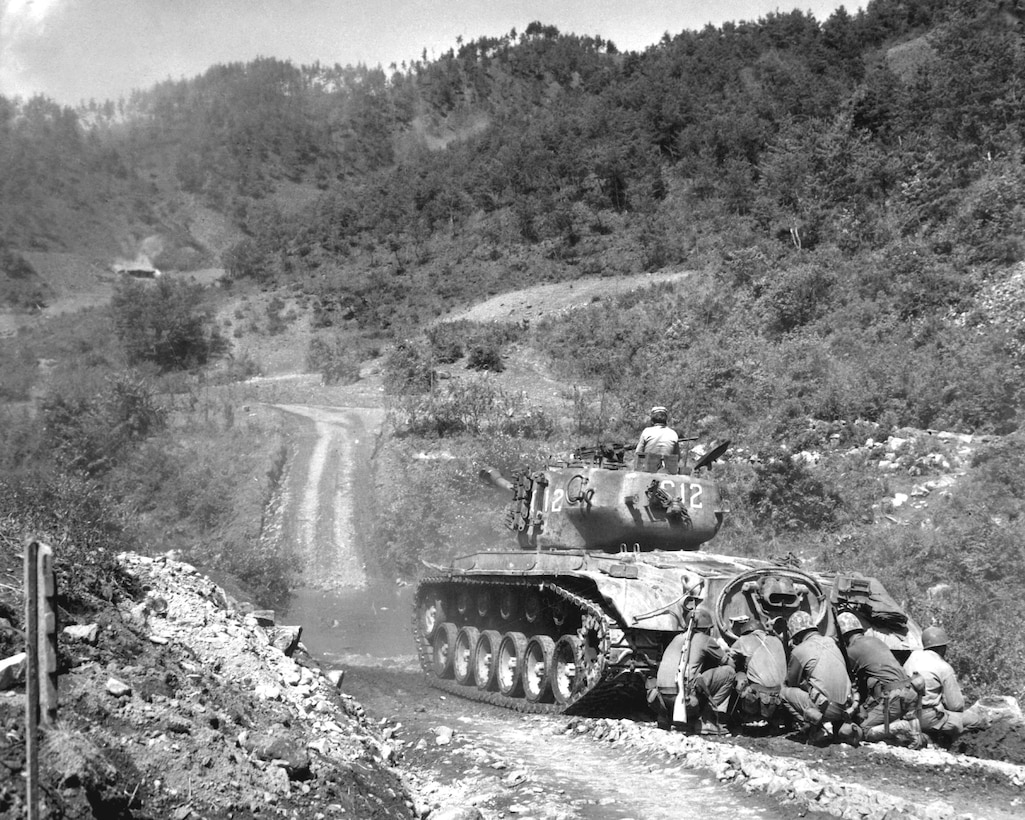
(76,50)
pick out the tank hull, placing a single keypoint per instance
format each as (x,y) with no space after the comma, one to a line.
(579,631)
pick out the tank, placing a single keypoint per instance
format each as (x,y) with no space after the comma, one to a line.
(606,567)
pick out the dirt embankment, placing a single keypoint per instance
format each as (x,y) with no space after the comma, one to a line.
(184,705)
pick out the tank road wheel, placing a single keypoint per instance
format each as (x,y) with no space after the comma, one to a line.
(509,671)
(532,607)
(508,604)
(463,601)
(537,661)
(462,658)
(594,648)
(567,675)
(444,650)
(483,601)
(430,613)
(485,658)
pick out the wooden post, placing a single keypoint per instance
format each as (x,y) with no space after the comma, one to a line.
(32,679)
(41,663)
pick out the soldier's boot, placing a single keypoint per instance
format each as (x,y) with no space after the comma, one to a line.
(850,733)
(902,733)
(908,733)
(819,736)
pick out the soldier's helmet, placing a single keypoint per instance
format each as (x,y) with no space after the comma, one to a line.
(933,636)
(659,415)
(848,623)
(799,623)
(702,618)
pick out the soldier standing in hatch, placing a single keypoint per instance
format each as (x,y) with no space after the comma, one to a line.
(943,712)
(888,698)
(658,439)
(760,663)
(818,690)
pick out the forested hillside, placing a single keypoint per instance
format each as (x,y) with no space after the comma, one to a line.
(849,193)
(854,184)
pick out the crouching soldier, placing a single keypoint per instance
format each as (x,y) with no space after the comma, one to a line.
(817,693)
(885,691)
(943,713)
(697,658)
(760,663)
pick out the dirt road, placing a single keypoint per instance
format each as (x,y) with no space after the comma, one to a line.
(326,478)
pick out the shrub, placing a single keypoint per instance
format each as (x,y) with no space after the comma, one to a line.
(462,406)
(793,298)
(88,435)
(242,366)
(472,406)
(991,217)
(528,422)
(19,368)
(447,340)
(20,287)
(788,497)
(245,259)
(485,356)
(409,368)
(82,523)
(336,359)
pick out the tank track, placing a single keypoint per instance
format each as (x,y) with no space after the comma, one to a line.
(612,686)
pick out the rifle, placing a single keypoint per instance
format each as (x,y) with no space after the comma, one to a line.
(680,705)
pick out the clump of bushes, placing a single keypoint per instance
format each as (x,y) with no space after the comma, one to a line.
(485,356)
(409,368)
(79,520)
(336,359)
(20,287)
(89,434)
(165,324)
(471,406)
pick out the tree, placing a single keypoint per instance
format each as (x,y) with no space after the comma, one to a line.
(244,258)
(162,324)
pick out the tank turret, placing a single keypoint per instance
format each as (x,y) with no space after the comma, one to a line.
(574,504)
(604,571)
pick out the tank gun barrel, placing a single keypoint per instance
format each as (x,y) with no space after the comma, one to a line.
(491,476)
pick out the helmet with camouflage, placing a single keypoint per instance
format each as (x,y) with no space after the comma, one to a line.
(849,623)
(800,623)
(934,636)
(702,618)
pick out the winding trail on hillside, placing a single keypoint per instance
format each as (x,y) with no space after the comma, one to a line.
(327,479)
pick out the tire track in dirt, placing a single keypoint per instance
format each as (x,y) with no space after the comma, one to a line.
(323,489)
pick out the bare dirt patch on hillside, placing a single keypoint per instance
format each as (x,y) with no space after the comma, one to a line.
(542,301)
(73,283)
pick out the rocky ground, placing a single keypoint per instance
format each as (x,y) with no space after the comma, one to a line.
(625,767)
(184,704)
